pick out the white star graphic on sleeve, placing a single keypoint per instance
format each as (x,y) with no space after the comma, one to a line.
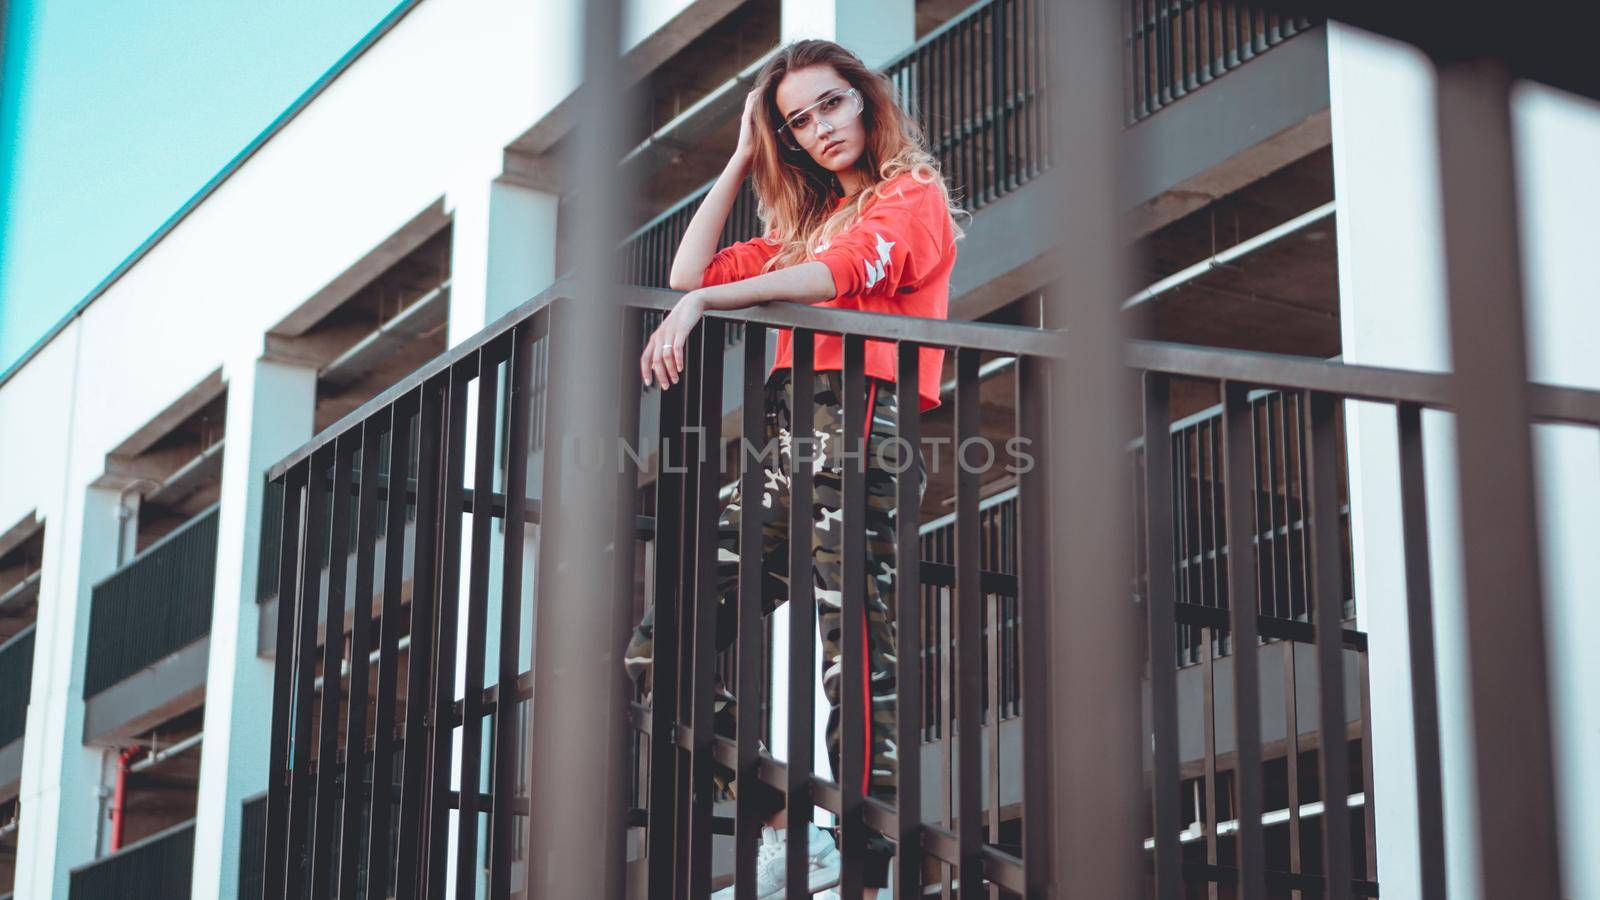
(875,268)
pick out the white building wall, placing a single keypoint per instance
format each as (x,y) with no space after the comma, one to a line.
(1394,313)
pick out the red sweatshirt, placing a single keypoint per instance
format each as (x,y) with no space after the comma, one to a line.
(896,259)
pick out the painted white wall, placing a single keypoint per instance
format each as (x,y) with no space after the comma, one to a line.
(1394,313)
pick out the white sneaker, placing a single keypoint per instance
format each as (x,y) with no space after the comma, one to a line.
(772,859)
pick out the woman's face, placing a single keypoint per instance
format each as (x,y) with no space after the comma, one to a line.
(826,132)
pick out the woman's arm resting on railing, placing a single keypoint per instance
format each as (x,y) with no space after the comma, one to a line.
(699,242)
(663,357)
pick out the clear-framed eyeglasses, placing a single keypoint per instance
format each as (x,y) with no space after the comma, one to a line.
(828,114)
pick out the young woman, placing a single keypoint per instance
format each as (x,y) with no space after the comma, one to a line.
(856,216)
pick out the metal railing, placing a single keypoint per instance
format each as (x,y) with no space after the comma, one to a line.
(157,604)
(1175,47)
(158,866)
(1230,445)
(16,681)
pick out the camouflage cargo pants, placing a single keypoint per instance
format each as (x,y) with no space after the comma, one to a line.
(884,457)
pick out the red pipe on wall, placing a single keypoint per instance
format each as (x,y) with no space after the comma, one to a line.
(119,796)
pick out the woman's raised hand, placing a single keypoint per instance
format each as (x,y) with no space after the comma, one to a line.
(747,127)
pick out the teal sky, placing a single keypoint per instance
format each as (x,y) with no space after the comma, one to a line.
(118,112)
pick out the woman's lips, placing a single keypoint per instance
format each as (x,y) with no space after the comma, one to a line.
(831,146)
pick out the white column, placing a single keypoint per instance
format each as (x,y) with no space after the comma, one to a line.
(503,243)
(1558,140)
(60,776)
(502,251)
(1393,313)
(875,31)
(270,407)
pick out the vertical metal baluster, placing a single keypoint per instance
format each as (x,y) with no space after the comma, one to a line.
(1208,687)
(1219,546)
(355,753)
(300,784)
(1284,551)
(415,789)
(445,615)
(1424,668)
(1209,638)
(1205,507)
(1135,60)
(1183,57)
(948,671)
(1232,31)
(1164,49)
(855,760)
(1162,615)
(1369,802)
(964,112)
(503,823)
(1291,751)
(1181,507)
(662,836)
(1282,605)
(689,680)
(752,480)
(291,552)
(1032,83)
(802,607)
(994,123)
(993,610)
(1300,550)
(389,628)
(1296,595)
(1033,492)
(909,627)
(968,600)
(1239,450)
(483,468)
(1323,520)
(1016,93)
(1520,854)
(324,842)
(706,601)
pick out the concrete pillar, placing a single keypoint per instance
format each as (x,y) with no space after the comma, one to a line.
(1393,313)
(60,776)
(503,246)
(876,31)
(502,251)
(269,414)
(1558,139)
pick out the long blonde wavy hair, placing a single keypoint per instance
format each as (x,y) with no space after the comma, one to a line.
(795,196)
